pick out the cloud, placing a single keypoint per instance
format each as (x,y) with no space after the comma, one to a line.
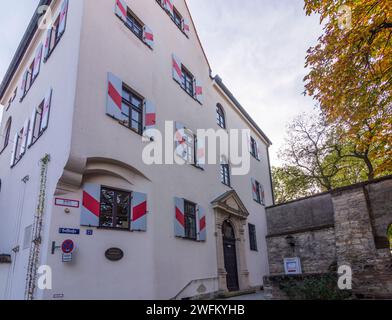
(259,48)
(14,17)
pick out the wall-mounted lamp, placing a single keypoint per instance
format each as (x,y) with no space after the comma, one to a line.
(290,241)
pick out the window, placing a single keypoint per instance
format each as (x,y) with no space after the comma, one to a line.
(18,149)
(177,18)
(189,145)
(190,220)
(220,116)
(187,80)
(225,174)
(115,209)
(252,237)
(258,192)
(253,147)
(37,124)
(12,98)
(132,109)
(6,134)
(134,25)
(54,37)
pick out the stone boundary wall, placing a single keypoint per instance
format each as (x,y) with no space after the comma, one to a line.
(347,226)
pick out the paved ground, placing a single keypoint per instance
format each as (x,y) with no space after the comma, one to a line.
(254,296)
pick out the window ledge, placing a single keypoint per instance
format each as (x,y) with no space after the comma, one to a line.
(125,126)
(188,93)
(189,239)
(112,229)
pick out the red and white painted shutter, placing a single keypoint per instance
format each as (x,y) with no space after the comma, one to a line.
(121,9)
(201,224)
(249,141)
(14,149)
(262,194)
(180,141)
(114,98)
(186,27)
(255,192)
(198,91)
(23,84)
(179,218)
(169,6)
(37,61)
(177,71)
(149,118)
(24,137)
(63,17)
(200,153)
(46,111)
(139,212)
(47,43)
(91,205)
(148,36)
(31,128)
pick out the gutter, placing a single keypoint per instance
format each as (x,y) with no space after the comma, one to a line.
(22,48)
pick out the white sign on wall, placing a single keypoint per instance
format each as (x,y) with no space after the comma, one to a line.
(292,266)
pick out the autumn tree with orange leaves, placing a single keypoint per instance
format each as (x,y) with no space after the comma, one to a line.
(351,76)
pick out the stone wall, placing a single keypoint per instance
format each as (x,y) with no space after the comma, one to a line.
(316,249)
(347,226)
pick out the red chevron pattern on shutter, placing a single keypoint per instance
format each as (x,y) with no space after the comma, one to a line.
(121,7)
(151,119)
(47,43)
(198,91)
(202,223)
(180,217)
(63,17)
(177,69)
(202,234)
(139,212)
(169,6)
(91,206)
(149,36)
(186,27)
(115,95)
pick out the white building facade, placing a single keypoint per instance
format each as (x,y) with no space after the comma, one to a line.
(92,85)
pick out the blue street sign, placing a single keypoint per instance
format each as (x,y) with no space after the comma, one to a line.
(69,231)
(89,232)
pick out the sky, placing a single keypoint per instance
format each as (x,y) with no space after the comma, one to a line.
(257,47)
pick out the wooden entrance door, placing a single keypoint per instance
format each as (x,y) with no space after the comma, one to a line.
(230,254)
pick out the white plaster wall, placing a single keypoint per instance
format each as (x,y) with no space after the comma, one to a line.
(156,264)
(16,198)
(173,262)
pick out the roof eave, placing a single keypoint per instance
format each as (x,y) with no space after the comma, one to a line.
(22,48)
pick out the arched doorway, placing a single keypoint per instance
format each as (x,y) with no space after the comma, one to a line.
(230,256)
